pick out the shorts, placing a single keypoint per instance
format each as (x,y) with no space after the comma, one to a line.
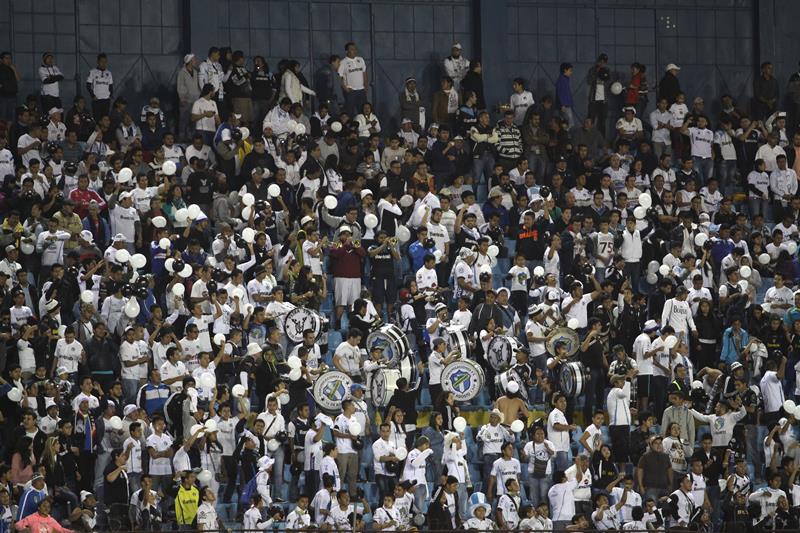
(643,386)
(384,290)
(346,291)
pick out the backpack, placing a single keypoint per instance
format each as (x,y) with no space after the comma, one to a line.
(173,412)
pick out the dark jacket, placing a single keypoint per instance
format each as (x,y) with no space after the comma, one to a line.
(474,82)
(8,81)
(669,87)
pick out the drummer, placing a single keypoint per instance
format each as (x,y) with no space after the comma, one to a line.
(376,361)
(309,342)
(436,325)
(554,365)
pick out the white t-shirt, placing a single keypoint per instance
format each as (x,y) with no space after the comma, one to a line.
(552,265)
(68,354)
(771,391)
(200,106)
(560,439)
(578,311)
(160,466)
(352,70)
(101,81)
(503,470)
(701,140)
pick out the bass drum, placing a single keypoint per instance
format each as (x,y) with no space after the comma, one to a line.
(574,378)
(566,336)
(502,380)
(500,352)
(458,339)
(464,378)
(300,319)
(393,341)
(330,390)
(384,383)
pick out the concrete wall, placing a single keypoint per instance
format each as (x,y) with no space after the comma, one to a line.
(715,41)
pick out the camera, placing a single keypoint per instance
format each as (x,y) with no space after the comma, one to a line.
(707,245)
(428,243)
(282,437)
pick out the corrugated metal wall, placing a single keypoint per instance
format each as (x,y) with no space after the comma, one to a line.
(713,40)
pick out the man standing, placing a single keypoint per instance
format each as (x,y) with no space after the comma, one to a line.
(456,66)
(9,78)
(353,72)
(597,85)
(100,85)
(765,92)
(188,93)
(329,86)
(211,72)
(564,94)
(669,87)
(50,75)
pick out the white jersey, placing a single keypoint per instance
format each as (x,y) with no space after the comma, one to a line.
(100,82)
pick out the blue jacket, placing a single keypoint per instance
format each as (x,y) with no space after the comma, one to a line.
(29,502)
(153,397)
(730,352)
(564,92)
(417,253)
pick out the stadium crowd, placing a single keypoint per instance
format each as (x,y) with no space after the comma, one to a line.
(277,309)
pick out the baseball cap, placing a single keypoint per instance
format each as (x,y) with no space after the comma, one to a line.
(356,386)
(187,58)
(305,220)
(672,66)
(130,408)
(457,45)
(119,237)
(495,192)
(735,366)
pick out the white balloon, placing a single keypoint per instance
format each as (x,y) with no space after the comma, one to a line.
(238,390)
(745,271)
(517,426)
(249,235)
(204,476)
(219,339)
(796,412)
(138,261)
(115,423)
(616,88)
(355,428)
(291,125)
(294,362)
(245,132)
(182,215)
(125,175)
(186,272)
(331,202)
(300,129)
(639,212)
(168,264)
(87,297)
(248,309)
(645,200)
(700,239)
(195,428)
(159,222)
(168,168)
(336,126)
(651,278)
(652,267)
(406,200)
(273,445)
(193,211)
(295,374)
(402,453)
(459,424)
(743,284)
(789,406)
(274,190)
(248,199)
(283,399)
(437,254)
(207,380)
(663,270)
(403,234)
(764,259)
(792,247)
(573,323)
(27,248)
(370,221)
(670,342)
(132,308)
(14,394)
(246,212)
(122,255)
(538,271)
(237,292)
(164,243)
(493,251)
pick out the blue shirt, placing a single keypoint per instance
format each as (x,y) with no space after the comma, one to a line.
(29,502)
(730,349)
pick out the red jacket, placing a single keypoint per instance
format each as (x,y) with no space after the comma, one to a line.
(346,261)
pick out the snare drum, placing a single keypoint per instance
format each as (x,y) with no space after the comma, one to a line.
(502,380)
(384,383)
(300,319)
(458,339)
(393,341)
(574,378)
(464,378)
(500,352)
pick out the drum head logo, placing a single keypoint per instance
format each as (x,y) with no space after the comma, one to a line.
(462,379)
(331,389)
